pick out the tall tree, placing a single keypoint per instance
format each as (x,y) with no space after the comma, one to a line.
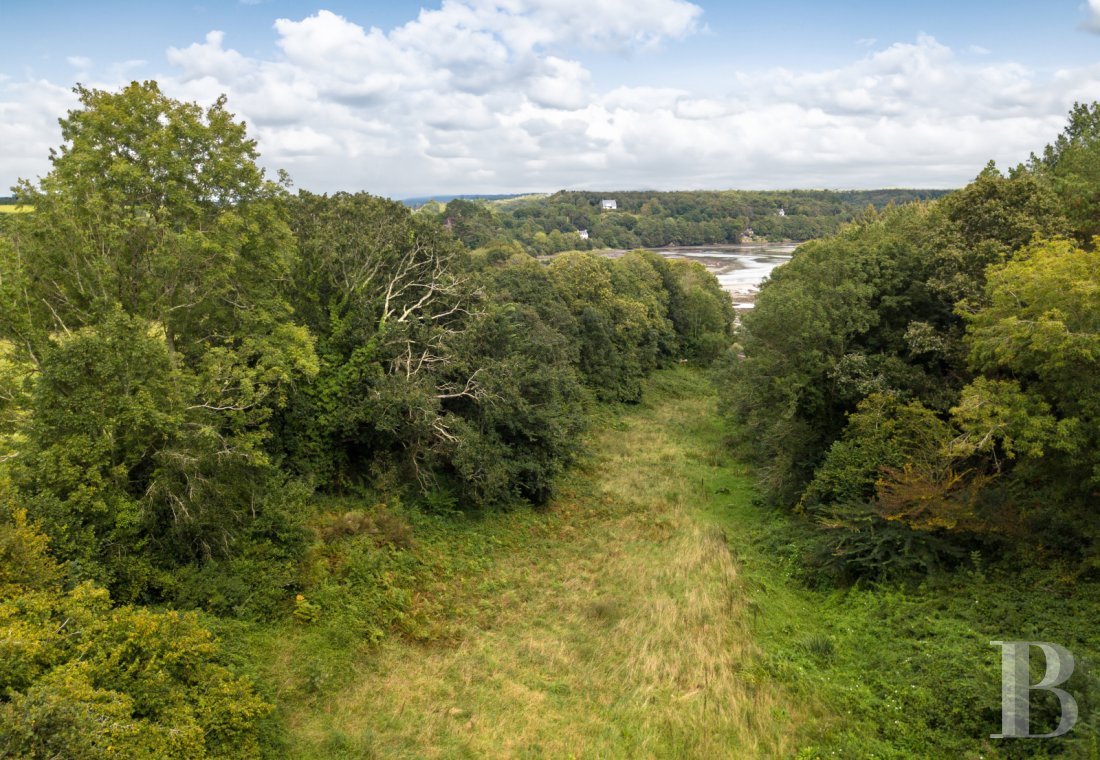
(156,242)
(1073,163)
(385,293)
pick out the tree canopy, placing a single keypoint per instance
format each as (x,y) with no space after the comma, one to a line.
(922,378)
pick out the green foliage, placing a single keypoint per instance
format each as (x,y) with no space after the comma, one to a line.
(855,542)
(1036,412)
(514,437)
(1043,319)
(829,328)
(617,335)
(382,291)
(700,310)
(912,672)
(24,562)
(985,223)
(922,379)
(157,207)
(1073,164)
(463,373)
(80,678)
(472,223)
(106,400)
(549,224)
(145,291)
(132,480)
(882,433)
(862,495)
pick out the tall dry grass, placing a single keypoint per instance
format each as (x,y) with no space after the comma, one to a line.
(627,634)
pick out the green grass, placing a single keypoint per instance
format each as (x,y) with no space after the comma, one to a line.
(651,611)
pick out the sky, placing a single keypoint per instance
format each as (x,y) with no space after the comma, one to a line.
(407,98)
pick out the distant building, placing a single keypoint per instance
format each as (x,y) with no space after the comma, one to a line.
(608,204)
(782,211)
(582,234)
(748,235)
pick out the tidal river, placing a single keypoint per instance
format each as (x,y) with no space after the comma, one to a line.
(739,268)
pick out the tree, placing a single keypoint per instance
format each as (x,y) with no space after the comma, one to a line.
(518,434)
(613,334)
(1073,164)
(80,678)
(386,295)
(471,222)
(1083,125)
(147,287)
(921,380)
(828,329)
(986,222)
(700,310)
(158,207)
(889,497)
(1036,410)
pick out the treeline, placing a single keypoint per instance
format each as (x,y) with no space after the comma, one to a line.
(921,387)
(189,355)
(545,225)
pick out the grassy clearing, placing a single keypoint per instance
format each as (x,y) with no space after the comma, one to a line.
(652,611)
(614,624)
(11,209)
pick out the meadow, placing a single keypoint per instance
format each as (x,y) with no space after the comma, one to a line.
(652,610)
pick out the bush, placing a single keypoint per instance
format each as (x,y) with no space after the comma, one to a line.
(80,678)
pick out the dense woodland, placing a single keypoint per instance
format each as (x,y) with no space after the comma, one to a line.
(922,385)
(549,224)
(196,364)
(192,355)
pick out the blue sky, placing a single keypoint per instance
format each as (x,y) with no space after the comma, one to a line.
(405,98)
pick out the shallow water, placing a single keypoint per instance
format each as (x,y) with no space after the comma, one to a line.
(739,268)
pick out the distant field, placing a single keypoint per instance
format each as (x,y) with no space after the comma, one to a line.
(15,209)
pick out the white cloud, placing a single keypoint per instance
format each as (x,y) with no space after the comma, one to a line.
(561,84)
(1092,23)
(526,25)
(28,126)
(208,59)
(488,95)
(609,24)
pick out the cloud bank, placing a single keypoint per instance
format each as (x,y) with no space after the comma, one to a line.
(489,96)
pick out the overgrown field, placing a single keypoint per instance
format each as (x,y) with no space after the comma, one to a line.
(616,623)
(651,611)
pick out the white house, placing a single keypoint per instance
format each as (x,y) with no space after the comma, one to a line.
(582,234)
(608,204)
(782,211)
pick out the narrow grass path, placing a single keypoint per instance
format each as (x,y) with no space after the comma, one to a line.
(616,624)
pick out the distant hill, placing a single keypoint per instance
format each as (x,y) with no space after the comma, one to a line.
(573,219)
